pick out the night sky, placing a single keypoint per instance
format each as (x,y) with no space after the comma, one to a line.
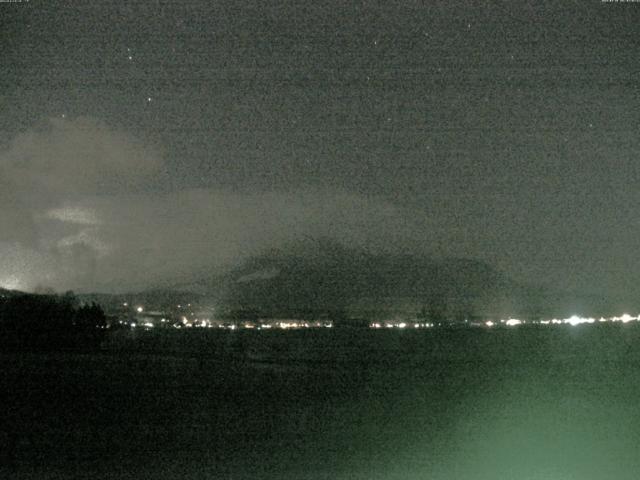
(144,143)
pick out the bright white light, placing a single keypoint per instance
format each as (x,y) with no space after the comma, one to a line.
(402,325)
(139,309)
(148,325)
(627,318)
(575,320)
(489,323)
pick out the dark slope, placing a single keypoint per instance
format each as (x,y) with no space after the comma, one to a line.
(323,277)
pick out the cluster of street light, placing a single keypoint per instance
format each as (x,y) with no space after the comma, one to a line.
(249,325)
(573,320)
(267,324)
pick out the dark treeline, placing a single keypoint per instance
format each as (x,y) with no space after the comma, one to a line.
(49,322)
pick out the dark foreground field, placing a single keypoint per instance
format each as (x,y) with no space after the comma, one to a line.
(547,404)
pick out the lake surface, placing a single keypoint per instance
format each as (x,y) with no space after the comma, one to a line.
(526,403)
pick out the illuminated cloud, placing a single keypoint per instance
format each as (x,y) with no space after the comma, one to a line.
(73,215)
(86,213)
(46,236)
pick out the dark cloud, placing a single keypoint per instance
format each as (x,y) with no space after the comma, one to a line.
(63,158)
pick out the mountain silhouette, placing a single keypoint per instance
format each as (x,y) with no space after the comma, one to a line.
(318,277)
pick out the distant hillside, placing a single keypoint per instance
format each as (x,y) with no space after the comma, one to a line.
(160,299)
(318,277)
(4,293)
(325,279)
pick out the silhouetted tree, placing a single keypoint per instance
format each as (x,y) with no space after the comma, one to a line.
(49,322)
(89,317)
